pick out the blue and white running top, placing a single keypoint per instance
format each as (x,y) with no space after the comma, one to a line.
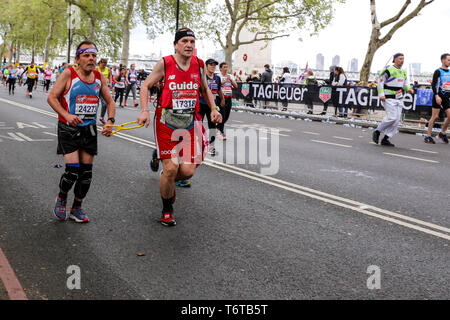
(82,98)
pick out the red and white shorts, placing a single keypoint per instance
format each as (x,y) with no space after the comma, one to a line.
(186,145)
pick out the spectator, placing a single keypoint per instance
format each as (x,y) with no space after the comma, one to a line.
(310,83)
(286,80)
(415,86)
(267,75)
(329,81)
(341,81)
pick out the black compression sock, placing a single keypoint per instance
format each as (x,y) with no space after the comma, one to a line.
(167,204)
(76,203)
(62,195)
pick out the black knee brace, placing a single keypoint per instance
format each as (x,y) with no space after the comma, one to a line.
(84,181)
(69,177)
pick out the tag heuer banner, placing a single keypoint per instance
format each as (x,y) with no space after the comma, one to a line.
(353,97)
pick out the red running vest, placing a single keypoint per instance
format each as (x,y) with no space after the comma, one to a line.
(181,89)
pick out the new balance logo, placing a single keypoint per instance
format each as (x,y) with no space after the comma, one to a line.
(171,77)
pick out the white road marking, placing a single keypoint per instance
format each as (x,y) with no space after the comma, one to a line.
(426,151)
(31,139)
(363,208)
(342,138)
(50,134)
(408,157)
(312,133)
(333,144)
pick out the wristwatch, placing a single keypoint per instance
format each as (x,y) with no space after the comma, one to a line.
(112,120)
(215,108)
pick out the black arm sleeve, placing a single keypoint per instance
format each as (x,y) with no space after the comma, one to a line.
(435,83)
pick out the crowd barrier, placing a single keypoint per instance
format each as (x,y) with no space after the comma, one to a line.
(358,97)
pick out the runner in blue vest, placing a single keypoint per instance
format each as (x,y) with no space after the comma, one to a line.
(391,89)
(132,79)
(441,99)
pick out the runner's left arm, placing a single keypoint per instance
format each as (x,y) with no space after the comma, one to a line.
(207,95)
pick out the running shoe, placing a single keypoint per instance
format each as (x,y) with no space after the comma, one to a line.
(183,183)
(125,103)
(60,209)
(212,151)
(136,104)
(443,137)
(154,163)
(387,143)
(376,136)
(168,220)
(429,140)
(78,215)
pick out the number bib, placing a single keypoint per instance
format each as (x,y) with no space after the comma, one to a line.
(86,106)
(446,86)
(399,94)
(227,91)
(184,101)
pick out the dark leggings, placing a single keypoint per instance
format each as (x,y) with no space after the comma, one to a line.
(46,85)
(225,112)
(12,84)
(30,84)
(119,93)
(206,110)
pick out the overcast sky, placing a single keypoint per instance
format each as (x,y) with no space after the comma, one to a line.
(422,40)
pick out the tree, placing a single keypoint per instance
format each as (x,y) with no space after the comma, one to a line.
(158,16)
(267,19)
(376,41)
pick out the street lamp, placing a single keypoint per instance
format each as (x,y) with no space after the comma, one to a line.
(69,27)
(178,13)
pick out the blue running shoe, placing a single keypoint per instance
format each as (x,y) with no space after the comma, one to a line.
(183,183)
(60,209)
(443,137)
(78,215)
(154,163)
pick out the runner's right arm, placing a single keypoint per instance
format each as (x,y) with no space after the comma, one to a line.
(154,77)
(58,90)
(435,86)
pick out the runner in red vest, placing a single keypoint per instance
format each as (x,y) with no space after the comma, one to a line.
(179,134)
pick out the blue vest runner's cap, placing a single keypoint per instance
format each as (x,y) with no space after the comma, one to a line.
(397,55)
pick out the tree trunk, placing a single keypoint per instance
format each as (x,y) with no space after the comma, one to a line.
(11,49)
(92,31)
(18,52)
(365,71)
(229,57)
(126,32)
(47,40)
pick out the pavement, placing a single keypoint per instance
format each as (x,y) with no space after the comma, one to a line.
(333,206)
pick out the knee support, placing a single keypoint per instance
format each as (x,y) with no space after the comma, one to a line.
(84,181)
(69,177)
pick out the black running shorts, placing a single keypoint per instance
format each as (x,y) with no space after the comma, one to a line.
(445,102)
(71,139)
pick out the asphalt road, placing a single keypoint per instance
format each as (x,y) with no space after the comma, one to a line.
(334,205)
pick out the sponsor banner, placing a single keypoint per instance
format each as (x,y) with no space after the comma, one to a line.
(424,97)
(353,97)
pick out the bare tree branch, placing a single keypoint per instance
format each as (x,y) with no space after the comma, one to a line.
(398,16)
(402,22)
